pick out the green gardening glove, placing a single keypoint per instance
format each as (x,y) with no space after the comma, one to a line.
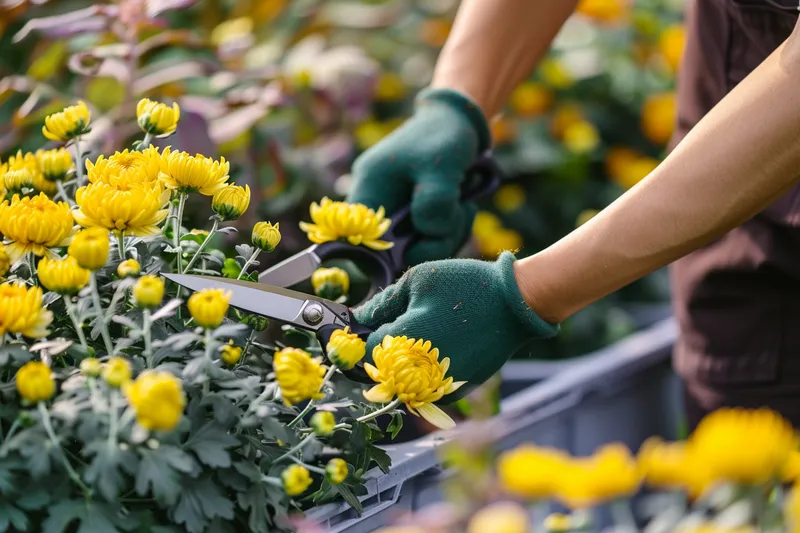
(424,163)
(471,310)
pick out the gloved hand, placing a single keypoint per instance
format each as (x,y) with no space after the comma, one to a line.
(424,162)
(471,310)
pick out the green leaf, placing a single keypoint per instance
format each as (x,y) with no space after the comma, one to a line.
(200,502)
(92,516)
(160,471)
(209,443)
(33,499)
(380,457)
(395,425)
(349,497)
(106,469)
(255,499)
(11,516)
(225,412)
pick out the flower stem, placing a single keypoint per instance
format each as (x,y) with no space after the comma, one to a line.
(202,247)
(48,427)
(148,138)
(79,161)
(13,429)
(113,421)
(148,349)
(73,314)
(311,403)
(248,263)
(275,482)
(383,410)
(296,449)
(63,193)
(30,262)
(121,245)
(310,468)
(208,354)
(99,312)
(177,230)
(622,515)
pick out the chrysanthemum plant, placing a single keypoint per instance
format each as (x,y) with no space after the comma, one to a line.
(126,406)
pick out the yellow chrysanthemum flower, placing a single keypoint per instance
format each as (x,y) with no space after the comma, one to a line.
(336,471)
(63,276)
(500,517)
(126,169)
(299,375)
(158,399)
(390,87)
(296,479)
(5,260)
(340,220)
(791,470)
(208,307)
(65,125)
(499,241)
(266,236)
(22,312)
(330,283)
(91,367)
(485,224)
(35,382)
(672,466)
(604,10)
(346,349)
(231,201)
(231,354)
(117,371)
(148,291)
(531,472)
(42,184)
(193,173)
(90,248)
(54,165)
(17,180)
(129,268)
(581,137)
(509,198)
(410,369)
(609,474)
(658,117)
(156,118)
(531,99)
(671,44)
(35,225)
(136,210)
(322,423)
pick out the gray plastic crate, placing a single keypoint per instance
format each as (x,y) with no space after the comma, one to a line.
(625,392)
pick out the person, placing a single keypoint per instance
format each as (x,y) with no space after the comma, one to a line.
(724,205)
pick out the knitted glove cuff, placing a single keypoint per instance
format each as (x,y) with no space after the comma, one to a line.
(538,327)
(463,104)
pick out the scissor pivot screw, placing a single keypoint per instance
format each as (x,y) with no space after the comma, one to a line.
(313,314)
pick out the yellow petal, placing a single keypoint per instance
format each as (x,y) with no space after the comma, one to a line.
(380,394)
(372,372)
(378,245)
(454,387)
(436,416)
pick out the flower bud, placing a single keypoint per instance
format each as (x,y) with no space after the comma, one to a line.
(68,123)
(128,268)
(91,367)
(266,236)
(117,371)
(258,323)
(296,479)
(90,248)
(230,202)
(15,180)
(156,118)
(231,354)
(158,399)
(345,349)
(62,276)
(336,471)
(322,423)
(330,283)
(208,307)
(55,164)
(35,382)
(149,291)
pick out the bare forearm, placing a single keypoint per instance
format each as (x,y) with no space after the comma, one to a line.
(740,158)
(495,44)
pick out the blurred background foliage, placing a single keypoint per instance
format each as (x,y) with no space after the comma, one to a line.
(292,91)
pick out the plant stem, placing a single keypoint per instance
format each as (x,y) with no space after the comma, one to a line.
(72,311)
(48,427)
(148,349)
(311,403)
(121,245)
(310,468)
(383,410)
(248,263)
(296,449)
(30,261)
(202,247)
(79,162)
(177,240)
(11,431)
(275,482)
(99,311)
(63,193)
(207,339)
(148,138)
(113,421)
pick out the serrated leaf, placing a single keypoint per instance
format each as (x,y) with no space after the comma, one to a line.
(166,310)
(230,330)
(125,321)
(244,250)
(349,497)
(181,341)
(255,500)
(33,499)
(228,230)
(225,412)
(11,516)
(395,425)
(160,471)
(106,471)
(200,502)
(210,444)
(380,457)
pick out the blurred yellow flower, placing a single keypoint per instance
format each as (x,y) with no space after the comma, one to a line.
(501,240)
(90,248)
(340,220)
(55,164)
(231,30)
(531,99)
(266,236)
(390,88)
(369,133)
(193,173)
(91,367)
(5,260)
(156,118)
(322,423)
(748,447)
(558,523)
(35,225)
(635,171)
(531,472)
(158,399)
(500,517)
(231,201)
(330,283)
(22,312)
(136,210)
(555,74)
(345,349)
(410,369)
(299,376)
(434,31)
(609,474)
(672,466)
(296,479)
(336,471)
(42,184)
(509,198)
(117,371)
(791,470)
(14,181)
(485,224)
(658,117)
(565,116)
(208,307)
(67,124)
(581,137)
(63,276)
(604,10)
(503,131)
(149,291)
(129,268)
(231,354)
(126,169)
(671,45)
(35,382)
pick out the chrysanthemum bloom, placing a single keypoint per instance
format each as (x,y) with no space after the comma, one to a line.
(90,248)
(336,471)
(126,168)
(35,225)
(136,210)
(117,371)
(500,517)
(299,375)
(14,181)
(21,171)
(322,423)
(35,382)
(22,312)
(91,367)
(354,222)
(5,261)
(266,236)
(231,354)
(345,349)
(158,399)
(67,124)
(330,283)
(530,472)
(148,291)
(156,118)
(63,276)
(296,479)
(611,473)
(55,164)
(42,184)
(193,173)
(129,268)
(410,369)
(231,201)
(672,466)
(208,307)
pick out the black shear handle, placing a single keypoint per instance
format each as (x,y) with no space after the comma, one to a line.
(357,373)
